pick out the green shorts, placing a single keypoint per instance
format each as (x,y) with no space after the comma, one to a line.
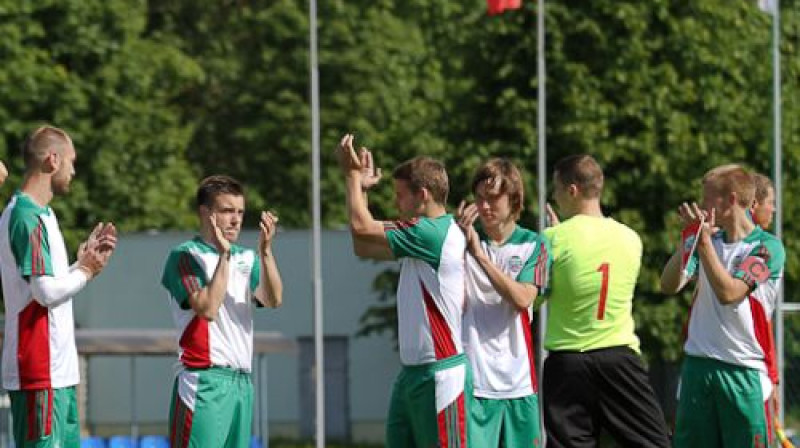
(429,405)
(45,418)
(720,405)
(211,408)
(509,422)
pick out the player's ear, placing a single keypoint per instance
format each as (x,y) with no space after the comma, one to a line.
(572,189)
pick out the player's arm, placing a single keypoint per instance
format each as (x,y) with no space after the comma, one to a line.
(206,301)
(270,286)
(369,238)
(51,290)
(519,294)
(728,289)
(671,275)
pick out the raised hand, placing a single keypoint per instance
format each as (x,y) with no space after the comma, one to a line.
(103,237)
(96,251)
(692,214)
(370,175)
(269,225)
(349,161)
(465,218)
(552,217)
(221,243)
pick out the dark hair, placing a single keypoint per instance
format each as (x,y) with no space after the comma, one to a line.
(40,141)
(583,171)
(507,177)
(212,186)
(424,172)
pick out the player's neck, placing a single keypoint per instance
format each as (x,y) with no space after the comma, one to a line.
(738,229)
(434,210)
(38,188)
(590,207)
(501,233)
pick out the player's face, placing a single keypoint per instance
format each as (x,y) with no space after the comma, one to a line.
(494,208)
(764,210)
(65,161)
(229,210)
(407,202)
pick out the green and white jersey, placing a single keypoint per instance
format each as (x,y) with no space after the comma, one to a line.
(596,262)
(739,333)
(497,335)
(227,341)
(39,344)
(430,293)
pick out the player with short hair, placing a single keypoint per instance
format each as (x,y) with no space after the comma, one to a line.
(593,376)
(213,285)
(40,359)
(507,266)
(726,373)
(432,392)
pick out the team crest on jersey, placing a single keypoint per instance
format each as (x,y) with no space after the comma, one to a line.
(243,267)
(515,264)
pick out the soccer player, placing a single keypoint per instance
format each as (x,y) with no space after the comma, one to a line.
(763,207)
(40,359)
(507,266)
(725,378)
(213,284)
(593,377)
(432,392)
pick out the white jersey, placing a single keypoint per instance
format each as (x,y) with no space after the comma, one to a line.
(39,344)
(739,333)
(227,341)
(430,293)
(497,335)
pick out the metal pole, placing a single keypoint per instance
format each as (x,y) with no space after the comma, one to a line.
(541,131)
(777,176)
(134,413)
(319,364)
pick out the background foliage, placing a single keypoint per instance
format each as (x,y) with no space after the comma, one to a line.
(158,94)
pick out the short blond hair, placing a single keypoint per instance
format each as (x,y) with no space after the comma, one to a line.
(732,178)
(41,142)
(763,185)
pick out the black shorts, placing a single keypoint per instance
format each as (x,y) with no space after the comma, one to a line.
(584,393)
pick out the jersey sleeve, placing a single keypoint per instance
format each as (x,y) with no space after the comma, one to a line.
(762,264)
(182,277)
(537,267)
(417,238)
(30,245)
(255,273)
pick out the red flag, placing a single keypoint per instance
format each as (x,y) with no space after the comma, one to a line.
(498,6)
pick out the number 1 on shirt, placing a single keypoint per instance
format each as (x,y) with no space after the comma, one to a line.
(601,307)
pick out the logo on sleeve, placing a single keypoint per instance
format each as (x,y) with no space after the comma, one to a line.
(755,268)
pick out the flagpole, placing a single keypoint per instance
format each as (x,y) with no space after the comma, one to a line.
(541,132)
(319,362)
(777,166)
